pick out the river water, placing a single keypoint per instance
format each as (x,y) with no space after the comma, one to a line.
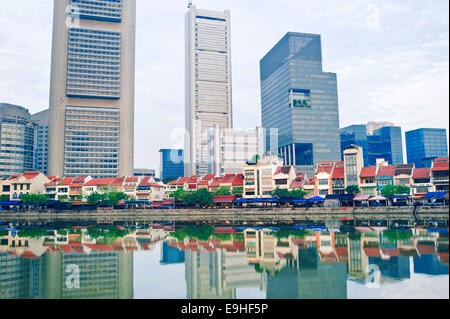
(321,260)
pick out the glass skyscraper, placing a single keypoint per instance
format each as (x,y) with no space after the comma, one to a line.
(17,140)
(41,152)
(91,130)
(172,164)
(300,101)
(385,142)
(426,144)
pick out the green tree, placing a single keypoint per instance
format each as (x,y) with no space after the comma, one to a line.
(63,198)
(397,234)
(222,191)
(203,198)
(238,191)
(402,190)
(34,199)
(298,193)
(96,198)
(281,193)
(388,190)
(4,198)
(352,189)
(179,195)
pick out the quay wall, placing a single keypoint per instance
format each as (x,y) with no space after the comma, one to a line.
(254,215)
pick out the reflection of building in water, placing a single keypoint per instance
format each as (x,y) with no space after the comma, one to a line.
(39,268)
(171,255)
(357,259)
(214,270)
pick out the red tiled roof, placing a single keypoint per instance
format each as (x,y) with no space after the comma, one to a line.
(338,172)
(118,181)
(196,176)
(132,179)
(324,167)
(283,170)
(342,253)
(80,179)
(422,172)
(386,171)
(225,230)
(203,183)
(215,183)
(426,250)
(192,180)
(444,258)
(238,181)
(440,166)
(100,182)
(393,252)
(227,180)
(52,183)
(66,181)
(183,180)
(224,199)
(66,248)
(297,183)
(372,252)
(29,255)
(368,171)
(209,177)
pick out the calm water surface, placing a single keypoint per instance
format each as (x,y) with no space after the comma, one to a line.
(312,261)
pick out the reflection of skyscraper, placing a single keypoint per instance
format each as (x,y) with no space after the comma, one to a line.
(394,267)
(430,265)
(216,274)
(103,274)
(171,255)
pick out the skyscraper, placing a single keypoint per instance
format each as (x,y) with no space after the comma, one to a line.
(91,129)
(208,82)
(301,102)
(17,140)
(172,164)
(41,149)
(426,144)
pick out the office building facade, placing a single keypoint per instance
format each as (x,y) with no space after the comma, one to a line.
(172,164)
(208,82)
(424,145)
(41,149)
(300,101)
(377,142)
(17,140)
(91,128)
(230,149)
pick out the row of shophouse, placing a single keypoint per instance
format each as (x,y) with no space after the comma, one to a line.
(142,188)
(258,180)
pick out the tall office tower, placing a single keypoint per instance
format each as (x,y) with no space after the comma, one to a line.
(172,164)
(386,143)
(17,140)
(373,126)
(301,101)
(41,152)
(208,82)
(426,144)
(355,134)
(230,149)
(91,129)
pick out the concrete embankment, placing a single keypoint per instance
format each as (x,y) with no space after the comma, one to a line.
(234,215)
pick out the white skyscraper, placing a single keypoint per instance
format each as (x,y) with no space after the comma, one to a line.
(208,82)
(91,127)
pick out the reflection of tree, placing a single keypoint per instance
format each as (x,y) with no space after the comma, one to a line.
(397,234)
(354,235)
(199,232)
(33,233)
(296,233)
(106,234)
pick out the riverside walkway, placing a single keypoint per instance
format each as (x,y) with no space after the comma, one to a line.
(235,215)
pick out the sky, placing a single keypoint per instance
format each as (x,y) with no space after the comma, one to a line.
(391,60)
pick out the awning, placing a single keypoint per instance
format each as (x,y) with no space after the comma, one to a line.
(315,199)
(435,195)
(156,204)
(360,198)
(10,203)
(378,198)
(224,199)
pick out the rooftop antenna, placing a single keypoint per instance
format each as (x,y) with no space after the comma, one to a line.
(190,4)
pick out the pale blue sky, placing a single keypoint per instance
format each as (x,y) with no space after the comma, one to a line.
(391,58)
